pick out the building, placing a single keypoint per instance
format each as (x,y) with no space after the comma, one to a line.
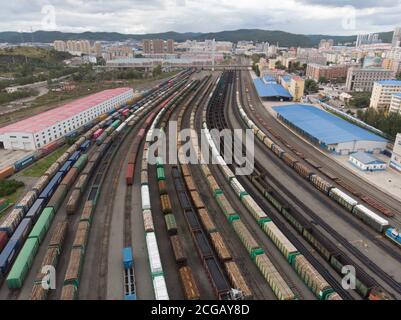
(396,37)
(37,131)
(119,53)
(297,88)
(269,89)
(395,105)
(158,46)
(335,72)
(366,162)
(78,47)
(395,161)
(329,131)
(367,39)
(382,93)
(359,79)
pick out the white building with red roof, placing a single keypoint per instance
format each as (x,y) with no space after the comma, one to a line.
(37,131)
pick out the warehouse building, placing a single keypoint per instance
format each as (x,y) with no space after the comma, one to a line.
(366,162)
(329,131)
(37,131)
(269,89)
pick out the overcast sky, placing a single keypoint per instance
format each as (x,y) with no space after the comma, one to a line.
(335,17)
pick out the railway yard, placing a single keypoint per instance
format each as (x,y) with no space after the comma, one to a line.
(114,219)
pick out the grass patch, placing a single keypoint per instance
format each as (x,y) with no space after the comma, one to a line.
(40,167)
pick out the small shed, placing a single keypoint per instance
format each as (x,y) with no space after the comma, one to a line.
(367,162)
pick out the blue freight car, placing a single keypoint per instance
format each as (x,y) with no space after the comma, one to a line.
(66,166)
(127,258)
(74,157)
(22,231)
(129,277)
(7,256)
(84,147)
(394,235)
(24,162)
(52,185)
(36,209)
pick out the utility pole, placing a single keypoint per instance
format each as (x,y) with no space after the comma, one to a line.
(213,51)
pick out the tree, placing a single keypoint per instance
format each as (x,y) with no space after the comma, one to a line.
(360,99)
(399,76)
(279,65)
(311,86)
(157,71)
(323,80)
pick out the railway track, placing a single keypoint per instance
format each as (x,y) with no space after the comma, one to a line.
(218,120)
(351,179)
(388,279)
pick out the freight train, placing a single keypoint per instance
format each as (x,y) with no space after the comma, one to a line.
(129,276)
(369,217)
(365,286)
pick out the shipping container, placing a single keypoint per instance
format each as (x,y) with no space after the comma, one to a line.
(42,225)
(24,162)
(6,172)
(145,197)
(22,230)
(178,250)
(128,261)
(160,174)
(22,264)
(35,210)
(191,291)
(66,167)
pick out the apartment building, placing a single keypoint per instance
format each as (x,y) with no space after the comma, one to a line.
(382,93)
(317,71)
(395,105)
(158,46)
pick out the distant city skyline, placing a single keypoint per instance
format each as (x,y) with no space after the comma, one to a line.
(335,17)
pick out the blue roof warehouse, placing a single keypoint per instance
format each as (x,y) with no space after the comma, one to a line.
(268,88)
(329,131)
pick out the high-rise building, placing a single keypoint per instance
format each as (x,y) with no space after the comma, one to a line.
(370,38)
(158,46)
(363,79)
(383,92)
(397,37)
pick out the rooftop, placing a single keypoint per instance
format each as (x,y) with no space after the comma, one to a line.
(323,125)
(53,116)
(389,82)
(366,158)
(270,89)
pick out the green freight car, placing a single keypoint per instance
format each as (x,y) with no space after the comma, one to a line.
(171,224)
(42,225)
(115,124)
(160,174)
(17,275)
(81,162)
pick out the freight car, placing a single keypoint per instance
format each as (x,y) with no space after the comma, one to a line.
(129,275)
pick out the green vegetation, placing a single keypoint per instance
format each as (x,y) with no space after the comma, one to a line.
(40,167)
(389,123)
(8,97)
(311,86)
(297,67)
(280,66)
(8,187)
(157,71)
(28,65)
(399,76)
(360,99)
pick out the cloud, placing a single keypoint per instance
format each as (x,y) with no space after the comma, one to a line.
(151,16)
